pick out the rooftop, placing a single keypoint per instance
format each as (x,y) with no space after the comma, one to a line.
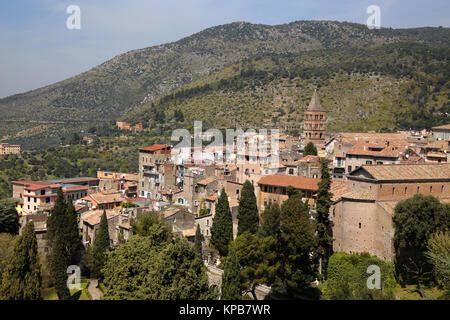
(422,171)
(155,147)
(445,126)
(285,181)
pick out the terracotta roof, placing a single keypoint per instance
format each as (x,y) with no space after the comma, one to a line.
(155,147)
(388,206)
(290,163)
(207,181)
(211,197)
(363,150)
(285,181)
(445,126)
(439,144)
(310,158)
(101,198)
(93,217)
(422,171)
(125,225)
(358,195)
(233,203)
(189,232)
(338,188)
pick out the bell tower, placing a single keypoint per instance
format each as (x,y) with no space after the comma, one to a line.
(314,124)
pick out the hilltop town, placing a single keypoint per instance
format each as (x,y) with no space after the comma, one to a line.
(369,174)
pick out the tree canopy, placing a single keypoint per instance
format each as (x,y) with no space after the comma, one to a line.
(9,219)
(415,220)
(22,274)
(248,219)
(222,225)
(310,150)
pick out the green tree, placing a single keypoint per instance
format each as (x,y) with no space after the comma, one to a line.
(151,224)
(310,150)
(73,238)
(101,246)
(270,225)
(297,241)
(9,219)
(6,249)
(222,225)
(231,280)
(248,219)
(347,278)
(323,224)
(258,260)
(22,275)
(198,241)
(59,256)
(415,220)
(146,269)
(439,256)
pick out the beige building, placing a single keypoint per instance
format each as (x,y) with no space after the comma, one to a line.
(362,211)
(6,148)
(151,169)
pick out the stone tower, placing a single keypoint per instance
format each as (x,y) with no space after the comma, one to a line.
(314,125)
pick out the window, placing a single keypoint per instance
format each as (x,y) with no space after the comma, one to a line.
(360,225)
(47,200)
(418,189)
(431,189)
(349,168)
(270,189)
(35,200)
(142,184)
(42,192)
(406,189)
(368,162)
(393,190)
(291,171)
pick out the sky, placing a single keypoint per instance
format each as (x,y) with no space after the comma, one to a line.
(37,48)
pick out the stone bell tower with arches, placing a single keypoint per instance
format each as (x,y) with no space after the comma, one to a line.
(314,124)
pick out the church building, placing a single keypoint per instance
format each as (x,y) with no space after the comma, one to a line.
(314,125)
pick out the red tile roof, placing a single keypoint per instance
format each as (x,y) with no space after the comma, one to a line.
(155,147)
(285,181)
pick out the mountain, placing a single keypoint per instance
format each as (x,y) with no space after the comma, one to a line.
(135,78)
(387,87)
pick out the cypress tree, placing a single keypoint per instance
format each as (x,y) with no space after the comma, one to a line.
(270,225)
(248,210)
(297,241)
(198,241)
(222,225)
(59,257)
(324,246)
(310,150)
(101,246)
(231,280)
(22,275)
(9,219)
(74,244)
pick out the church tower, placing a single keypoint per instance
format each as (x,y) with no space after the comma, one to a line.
(314,125)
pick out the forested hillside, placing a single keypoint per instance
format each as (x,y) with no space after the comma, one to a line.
(38,118)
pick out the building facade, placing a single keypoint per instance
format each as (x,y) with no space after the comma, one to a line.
(314,125)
